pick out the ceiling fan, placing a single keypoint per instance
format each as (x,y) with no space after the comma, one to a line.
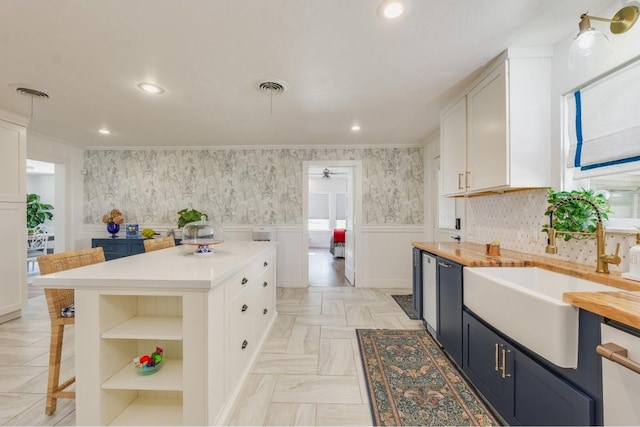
(327,173)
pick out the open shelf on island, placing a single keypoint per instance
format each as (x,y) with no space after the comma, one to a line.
(147,328)
(168,378)
(151,411)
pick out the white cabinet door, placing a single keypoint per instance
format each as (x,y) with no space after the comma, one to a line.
(13,260)
(487,148)
(453,141)
(12,163)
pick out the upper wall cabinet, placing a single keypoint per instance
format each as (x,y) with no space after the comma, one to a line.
(496,137)
(13,145)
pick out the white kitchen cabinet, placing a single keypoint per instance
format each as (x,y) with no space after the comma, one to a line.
(453,128)
(250,310)
(13,162)
(191,307)
(13,222)
(506,131)
(13,261)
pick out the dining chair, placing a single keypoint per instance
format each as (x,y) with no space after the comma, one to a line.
(61,311)
(37,245)
(151,245)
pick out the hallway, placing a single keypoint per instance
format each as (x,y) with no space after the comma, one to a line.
(325,270)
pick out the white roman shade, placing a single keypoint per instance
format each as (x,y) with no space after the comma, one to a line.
(603,124)
(318,206)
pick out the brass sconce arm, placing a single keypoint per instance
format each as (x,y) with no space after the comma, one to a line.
(622,21)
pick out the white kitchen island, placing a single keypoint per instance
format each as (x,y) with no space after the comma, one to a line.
(210,314)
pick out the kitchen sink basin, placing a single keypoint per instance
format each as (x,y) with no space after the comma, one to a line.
(525,303)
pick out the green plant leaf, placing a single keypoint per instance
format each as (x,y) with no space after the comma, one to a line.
(576,216)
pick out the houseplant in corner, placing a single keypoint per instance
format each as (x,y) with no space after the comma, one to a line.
(576,216)
(37,212)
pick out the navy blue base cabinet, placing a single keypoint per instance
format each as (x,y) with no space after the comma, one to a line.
(119,247)
(522,390)
(449,296)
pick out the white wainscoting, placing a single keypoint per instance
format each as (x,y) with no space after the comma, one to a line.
(386,252)
(386,256)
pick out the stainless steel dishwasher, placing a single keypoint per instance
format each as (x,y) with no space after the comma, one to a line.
(429,296)
(620,351)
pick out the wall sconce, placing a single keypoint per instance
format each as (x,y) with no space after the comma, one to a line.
(591,47)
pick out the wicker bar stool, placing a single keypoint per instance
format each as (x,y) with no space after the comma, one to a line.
(57,300)
(151,245)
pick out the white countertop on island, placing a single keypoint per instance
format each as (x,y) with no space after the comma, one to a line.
(168,269)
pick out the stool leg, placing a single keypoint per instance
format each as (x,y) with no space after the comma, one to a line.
(55,357)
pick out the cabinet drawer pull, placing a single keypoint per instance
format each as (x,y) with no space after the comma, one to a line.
(265,264)
(442,264)
(504,363)
(265,311)
(245,343)
(265,284)
(466,180)
(460,175)
(618,354)
(244,280)
(496,357)
(244,307)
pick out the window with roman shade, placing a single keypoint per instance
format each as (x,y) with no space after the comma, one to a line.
(602,123)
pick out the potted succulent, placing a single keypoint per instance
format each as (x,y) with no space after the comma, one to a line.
(37,212)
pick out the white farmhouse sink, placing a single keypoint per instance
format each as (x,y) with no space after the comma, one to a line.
(525,303)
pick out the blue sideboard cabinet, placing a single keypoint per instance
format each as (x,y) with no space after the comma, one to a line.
(119,247)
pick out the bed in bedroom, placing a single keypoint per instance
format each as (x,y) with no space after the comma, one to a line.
(337,243)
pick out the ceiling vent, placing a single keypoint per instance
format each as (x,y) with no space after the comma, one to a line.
(31,92)
(273,87)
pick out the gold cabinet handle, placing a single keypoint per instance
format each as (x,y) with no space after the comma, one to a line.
(460,187)
(504,363)
(618,354)
(466,179)
(496,357)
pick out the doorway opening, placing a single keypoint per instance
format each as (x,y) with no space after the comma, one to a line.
(331,222)
(43,179)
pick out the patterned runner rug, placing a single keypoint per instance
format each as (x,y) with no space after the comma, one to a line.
(406,303)
(411,382)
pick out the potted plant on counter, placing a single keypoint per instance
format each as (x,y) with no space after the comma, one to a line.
(185,216)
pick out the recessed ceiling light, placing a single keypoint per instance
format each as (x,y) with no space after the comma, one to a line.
(150,88)
(355,128)
(391,9)
(104,131)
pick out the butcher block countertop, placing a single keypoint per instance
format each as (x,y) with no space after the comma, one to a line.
(622,305)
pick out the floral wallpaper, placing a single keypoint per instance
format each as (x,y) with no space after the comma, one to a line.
(244,186)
